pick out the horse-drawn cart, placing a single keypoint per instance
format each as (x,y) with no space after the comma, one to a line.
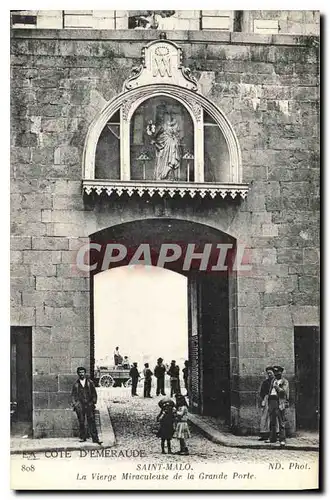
(111,376)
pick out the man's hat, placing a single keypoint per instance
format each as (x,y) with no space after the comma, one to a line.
(173,361)
(160,360)
(278,369)
(269,368)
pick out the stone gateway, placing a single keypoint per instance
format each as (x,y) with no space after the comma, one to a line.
(234,142)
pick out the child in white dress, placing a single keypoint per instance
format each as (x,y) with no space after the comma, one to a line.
(182,432)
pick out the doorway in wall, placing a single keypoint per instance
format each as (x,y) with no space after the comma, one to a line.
(307,375)
(21,380)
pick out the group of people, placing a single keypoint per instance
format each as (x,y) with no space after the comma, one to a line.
(159,372)
(274,398)
(120,361)
(172,417)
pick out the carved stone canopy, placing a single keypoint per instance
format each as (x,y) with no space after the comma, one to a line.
(162,74)
(161,63)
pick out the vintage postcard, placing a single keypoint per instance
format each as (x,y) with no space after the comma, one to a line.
(165,250)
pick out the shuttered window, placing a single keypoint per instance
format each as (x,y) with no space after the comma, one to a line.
(220,20)
(24,18)
(265,26)
(78,19)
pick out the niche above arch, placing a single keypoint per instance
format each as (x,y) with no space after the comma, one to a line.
(160,135)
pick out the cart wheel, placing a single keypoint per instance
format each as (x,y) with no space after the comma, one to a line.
(106,381)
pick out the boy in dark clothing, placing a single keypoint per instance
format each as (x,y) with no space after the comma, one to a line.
(147,381)
(159,373)
(134,374)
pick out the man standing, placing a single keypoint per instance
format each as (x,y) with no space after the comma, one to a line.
(278,401)
(84,398)
(134,374)
(147,380)
(159,373)
(264,395)
(185,372)
(174,373)
(118,359)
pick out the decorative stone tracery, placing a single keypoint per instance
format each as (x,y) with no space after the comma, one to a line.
(180,189)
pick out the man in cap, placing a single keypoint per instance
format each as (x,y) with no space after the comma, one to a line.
(84,398)
(174,373)
(159,373)
(278,401)
(147,381)
(134,374)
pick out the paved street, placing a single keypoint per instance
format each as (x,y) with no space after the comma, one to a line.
(135,426)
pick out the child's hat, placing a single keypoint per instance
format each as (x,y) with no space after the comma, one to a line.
(166,401)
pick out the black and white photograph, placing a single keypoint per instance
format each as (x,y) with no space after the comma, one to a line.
(165,249)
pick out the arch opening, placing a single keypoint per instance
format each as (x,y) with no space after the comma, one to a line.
(143,311)
(209,308)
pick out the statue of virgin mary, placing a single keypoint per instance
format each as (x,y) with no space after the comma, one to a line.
(166,139)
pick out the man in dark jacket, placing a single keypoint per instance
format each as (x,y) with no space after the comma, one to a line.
(84,399)
(134,374)
(159,373)
(174,373)
(185,372)
(147,381)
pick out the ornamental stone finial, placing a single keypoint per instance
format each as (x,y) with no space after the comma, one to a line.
(161,63)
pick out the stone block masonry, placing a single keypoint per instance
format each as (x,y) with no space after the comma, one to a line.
(268,87)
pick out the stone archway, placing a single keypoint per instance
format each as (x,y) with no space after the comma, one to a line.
(211,303)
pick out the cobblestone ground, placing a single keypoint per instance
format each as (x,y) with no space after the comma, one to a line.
(135,427)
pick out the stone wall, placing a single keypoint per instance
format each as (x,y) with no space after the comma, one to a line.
(267,85)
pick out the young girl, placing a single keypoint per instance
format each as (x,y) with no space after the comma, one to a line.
(182,430)
(166,419)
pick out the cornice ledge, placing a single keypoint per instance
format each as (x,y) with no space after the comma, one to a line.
(191,189)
